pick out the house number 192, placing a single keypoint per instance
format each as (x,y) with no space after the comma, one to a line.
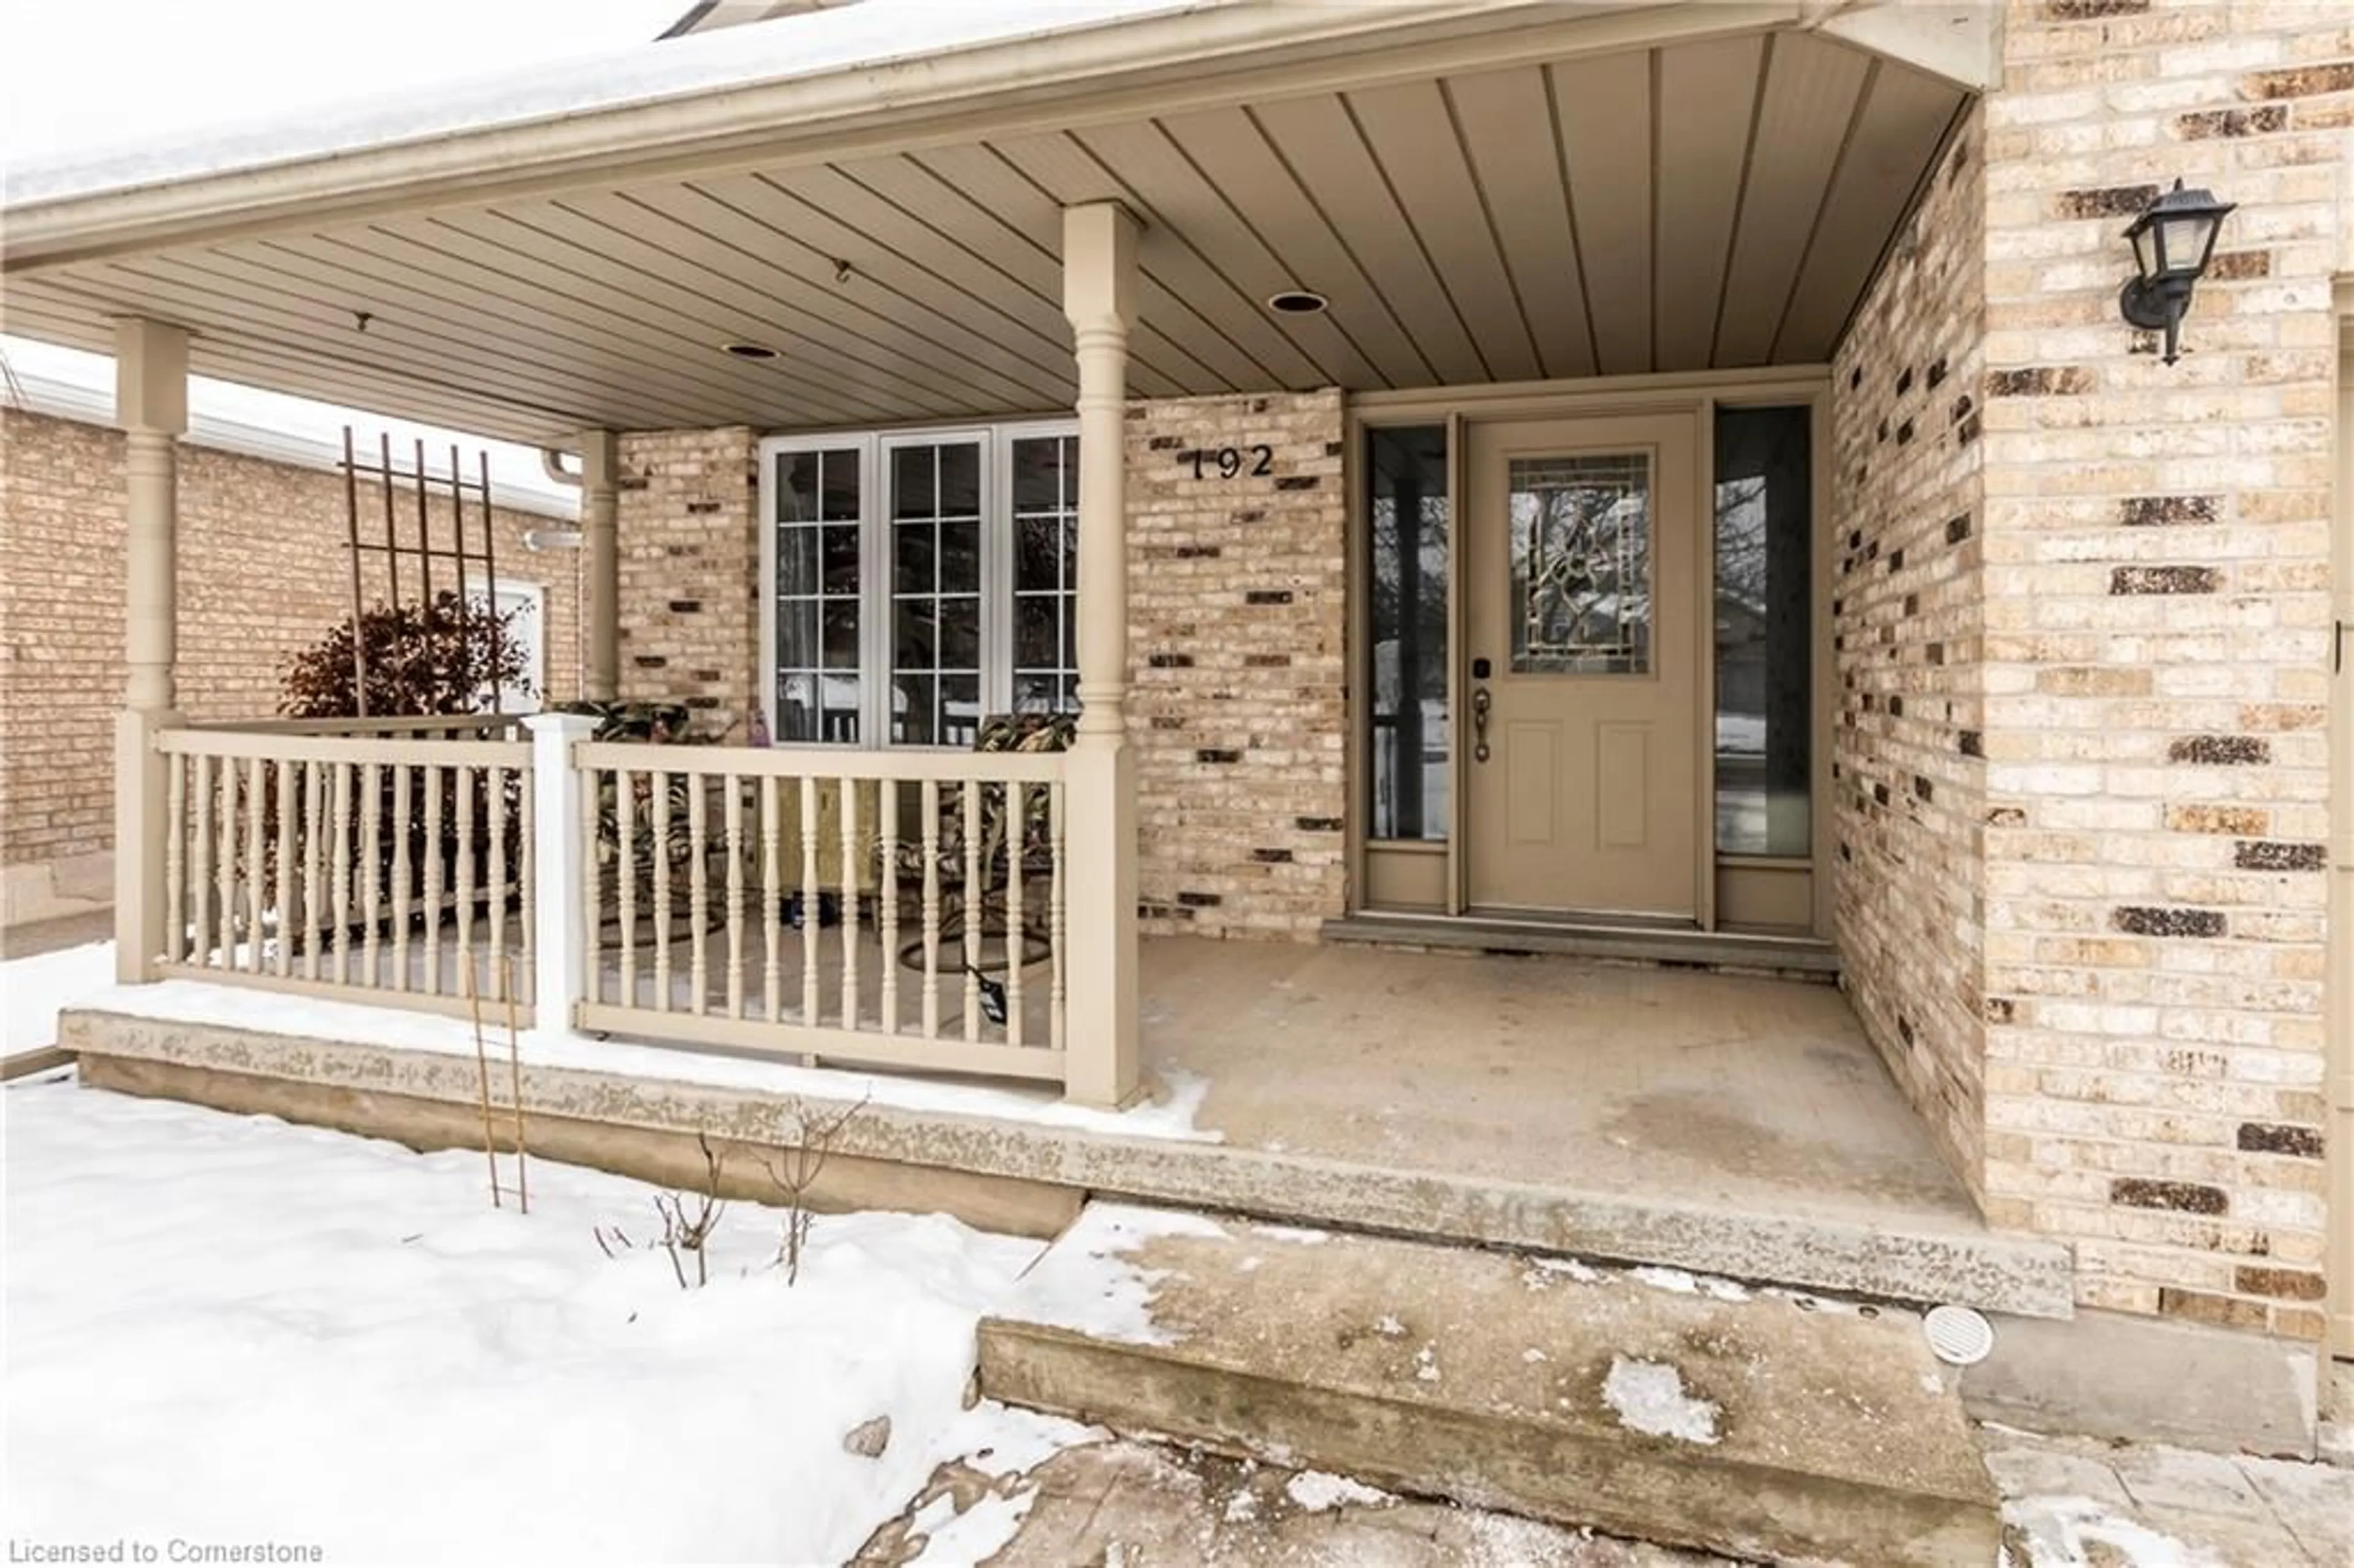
(1231,462)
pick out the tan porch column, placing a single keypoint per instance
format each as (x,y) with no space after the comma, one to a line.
(151,405)
(600,632)
(1099,297)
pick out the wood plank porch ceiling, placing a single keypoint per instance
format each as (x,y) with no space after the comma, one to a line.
(1714,204)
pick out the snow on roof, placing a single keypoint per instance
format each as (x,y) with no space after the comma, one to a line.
(46,379)
(816,43)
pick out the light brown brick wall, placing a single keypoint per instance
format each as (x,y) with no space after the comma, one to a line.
(2158,557)
(1908,798)
(1238,701)
(690,556)
(263,572)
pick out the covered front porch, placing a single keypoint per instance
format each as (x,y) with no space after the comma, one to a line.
(1722,1124)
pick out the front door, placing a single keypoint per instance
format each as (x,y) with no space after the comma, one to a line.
(1583,666)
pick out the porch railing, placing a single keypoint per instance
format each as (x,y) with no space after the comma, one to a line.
(392,871)
(900,909)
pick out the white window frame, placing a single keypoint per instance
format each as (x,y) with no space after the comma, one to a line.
(875,565)
(518,587)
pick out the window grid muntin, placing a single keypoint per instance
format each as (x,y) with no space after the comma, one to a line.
(1050,685)
(815,609)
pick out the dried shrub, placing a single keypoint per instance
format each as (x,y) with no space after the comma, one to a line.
(445,657)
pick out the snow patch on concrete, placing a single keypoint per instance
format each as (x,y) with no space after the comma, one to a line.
(1650,1398)
(1542,1271)
(1089,1282)
(982,1531)
(2064,1532)
(1318,1492)
(1686,1284)
(1297,1234)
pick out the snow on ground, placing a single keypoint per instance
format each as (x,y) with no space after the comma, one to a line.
(32,990)
(227,1329)
(196,1002)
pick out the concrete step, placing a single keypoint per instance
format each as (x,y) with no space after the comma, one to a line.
(1737,951)
(1647,1403)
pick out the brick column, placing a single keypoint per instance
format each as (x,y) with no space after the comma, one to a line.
(150,404)
(1100,298)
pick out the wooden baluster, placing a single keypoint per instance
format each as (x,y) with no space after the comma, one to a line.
(772,977)
(201,861)
(1054,915)
(975,904)
(849,903)
(403,810)
(225,865)
(464,775)
(886,897)
(1017,819)
(287,920)
(809,898)
(930,803)
(733,816)
(698,891)
(256,819)
(658,782)
(341,847)
(625,866)
(176,857)
(436,783)
(314,866)
(495,779)
(368,865)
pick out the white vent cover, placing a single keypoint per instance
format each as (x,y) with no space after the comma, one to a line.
(1959,1336)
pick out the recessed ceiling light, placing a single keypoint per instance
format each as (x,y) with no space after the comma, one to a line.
(755,351)
(1296,302)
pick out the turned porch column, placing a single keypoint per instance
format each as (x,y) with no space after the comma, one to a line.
(600,540)
(150,406)
(1100,298)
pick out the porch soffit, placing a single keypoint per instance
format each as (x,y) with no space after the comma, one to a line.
(1714,203)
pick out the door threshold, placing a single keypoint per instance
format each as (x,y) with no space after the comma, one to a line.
(1679,946)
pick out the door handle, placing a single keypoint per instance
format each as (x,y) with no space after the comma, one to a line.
(1480,705)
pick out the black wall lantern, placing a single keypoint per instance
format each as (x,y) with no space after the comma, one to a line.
(2172,243)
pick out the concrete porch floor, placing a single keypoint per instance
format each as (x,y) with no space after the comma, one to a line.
(1761,1095)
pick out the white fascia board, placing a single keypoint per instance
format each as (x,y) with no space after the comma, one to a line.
(1958,41)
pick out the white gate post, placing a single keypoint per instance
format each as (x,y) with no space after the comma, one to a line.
(559,975)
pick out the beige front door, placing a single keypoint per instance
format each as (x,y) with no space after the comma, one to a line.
(1581,546)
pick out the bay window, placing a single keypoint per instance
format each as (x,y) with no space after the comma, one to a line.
(915,582)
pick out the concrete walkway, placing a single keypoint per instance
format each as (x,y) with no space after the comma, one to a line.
(2069,1503)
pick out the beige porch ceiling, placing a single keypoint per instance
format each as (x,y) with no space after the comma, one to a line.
(1715,203)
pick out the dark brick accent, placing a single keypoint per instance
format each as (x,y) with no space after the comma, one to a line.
(1170,660)
(2108,201)
(1164,443)
(1958,529)
(1251,515)
(1895,706)
(1318,824)
(2001,1010)
(1970,743)
(1333,449)
(687,606)
(1880,794)
(2208,124)
(1970,428)
(1167,721)
(1272,856)
(701,508)
(703,703)
(1300,482)
(2164,580)
(2039,381)
(2220,750)
(1266,661)
(1936,376)
(1198,552)
(1163,912)
(2199,1306)
(1932,653)
(2282,1284)
(709,675)
(2007,817)
(2090,10)
(2182,1197)
(1217,753)
(1905,381)
(651,661)
(2278,1137)
(2267,854)
(1895,562)
(2164,511)
(1268,596)
(1904,434)
(2150,920)
(1200,900)
(2300,81)
(1922,788)
(2239,266)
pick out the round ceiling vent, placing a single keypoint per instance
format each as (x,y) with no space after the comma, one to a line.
(758,352)
(1959,1336)
(1297,303)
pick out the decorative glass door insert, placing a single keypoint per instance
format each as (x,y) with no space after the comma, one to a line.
(1581,564)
